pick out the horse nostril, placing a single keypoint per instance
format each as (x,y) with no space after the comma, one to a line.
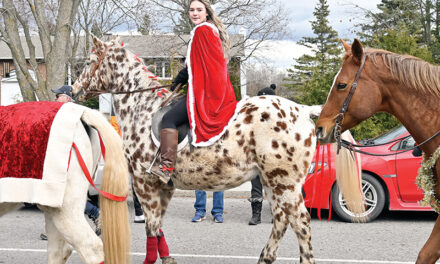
(319,132)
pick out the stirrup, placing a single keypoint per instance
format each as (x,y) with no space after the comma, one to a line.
(164,174)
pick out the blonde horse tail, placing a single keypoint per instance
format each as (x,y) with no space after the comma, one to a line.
(114,215)
(349,179)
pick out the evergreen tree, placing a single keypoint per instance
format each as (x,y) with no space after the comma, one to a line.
(312,75)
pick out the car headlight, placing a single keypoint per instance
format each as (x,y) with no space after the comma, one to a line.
(312,167)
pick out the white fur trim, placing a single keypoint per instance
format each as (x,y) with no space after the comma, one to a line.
(191,99)
(50,189)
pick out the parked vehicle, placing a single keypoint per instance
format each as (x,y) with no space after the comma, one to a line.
(387,181)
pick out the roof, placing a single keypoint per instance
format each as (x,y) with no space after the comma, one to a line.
(145,46)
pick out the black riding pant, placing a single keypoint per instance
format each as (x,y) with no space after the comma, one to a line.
(176,116)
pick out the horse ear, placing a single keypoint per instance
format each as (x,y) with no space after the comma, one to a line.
(97,42)
(115,40)
(346,46)
(357,50)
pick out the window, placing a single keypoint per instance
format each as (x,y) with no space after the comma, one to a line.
(162,69)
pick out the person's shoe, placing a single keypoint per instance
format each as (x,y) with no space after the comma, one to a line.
(43,236)
(218,218)
(168,260)
(168,154)
(198,218)
(139,219)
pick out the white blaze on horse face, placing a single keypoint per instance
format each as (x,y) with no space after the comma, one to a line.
(333,84)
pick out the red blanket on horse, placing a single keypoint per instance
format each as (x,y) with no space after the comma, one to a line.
(36,139)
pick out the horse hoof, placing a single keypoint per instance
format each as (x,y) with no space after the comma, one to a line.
(168,260)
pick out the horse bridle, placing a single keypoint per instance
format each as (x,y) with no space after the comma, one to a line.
(340,117)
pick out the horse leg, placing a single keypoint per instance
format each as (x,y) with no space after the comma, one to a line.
(431,250)
(288,208)
(165,197)
(148,192)
(58,251)
(7,207)
(280,224)
(71,224)
(300,223)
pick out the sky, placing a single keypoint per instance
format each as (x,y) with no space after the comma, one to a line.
(343,16)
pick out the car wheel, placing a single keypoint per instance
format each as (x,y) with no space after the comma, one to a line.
(374,201)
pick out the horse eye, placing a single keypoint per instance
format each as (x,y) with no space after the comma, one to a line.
(341,86)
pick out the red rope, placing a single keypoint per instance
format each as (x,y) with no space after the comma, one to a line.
(315,175)
(329,162)
(321,180)
(89,178)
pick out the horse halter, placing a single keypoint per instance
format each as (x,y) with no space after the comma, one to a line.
(340,117)
(96,66)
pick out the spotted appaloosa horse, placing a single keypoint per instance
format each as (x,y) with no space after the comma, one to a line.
(66,226)
(404,86)
(270,135)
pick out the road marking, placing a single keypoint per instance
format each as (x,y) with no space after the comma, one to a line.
(234,257)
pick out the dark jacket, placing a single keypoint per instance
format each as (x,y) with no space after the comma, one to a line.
(268,90)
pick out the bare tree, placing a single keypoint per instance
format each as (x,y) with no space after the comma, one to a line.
(260,19)
(259,76)
(54,38)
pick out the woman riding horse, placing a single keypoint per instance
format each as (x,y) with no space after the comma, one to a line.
(210,102)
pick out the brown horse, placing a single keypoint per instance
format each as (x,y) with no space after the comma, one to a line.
(401,85)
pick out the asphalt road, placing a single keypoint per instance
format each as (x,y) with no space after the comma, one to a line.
(394,238)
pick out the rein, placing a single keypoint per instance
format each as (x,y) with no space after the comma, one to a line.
(129,92)
(351,146)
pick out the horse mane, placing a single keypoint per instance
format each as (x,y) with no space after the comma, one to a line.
(133,64)
(413,72)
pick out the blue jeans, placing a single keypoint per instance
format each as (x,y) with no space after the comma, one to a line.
(91,211)
(217,203)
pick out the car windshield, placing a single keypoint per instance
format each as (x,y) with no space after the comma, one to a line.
(390,135)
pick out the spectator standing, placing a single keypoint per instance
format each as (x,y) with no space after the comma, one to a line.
(256,198)
(217,206)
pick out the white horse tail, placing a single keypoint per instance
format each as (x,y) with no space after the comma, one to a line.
(349,178)
(114,215)
(315,110)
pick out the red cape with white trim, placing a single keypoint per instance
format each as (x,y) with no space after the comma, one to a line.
(211,102)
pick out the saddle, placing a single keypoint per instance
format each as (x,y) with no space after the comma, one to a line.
(156,126)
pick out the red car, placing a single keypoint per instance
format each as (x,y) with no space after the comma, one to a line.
(387,181)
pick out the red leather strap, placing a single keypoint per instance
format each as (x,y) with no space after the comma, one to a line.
(89,178)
